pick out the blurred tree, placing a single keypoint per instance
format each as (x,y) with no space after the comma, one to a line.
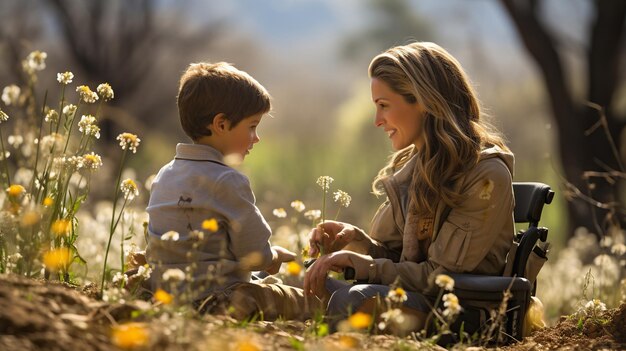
(588,138)
(392,20)
(119,42)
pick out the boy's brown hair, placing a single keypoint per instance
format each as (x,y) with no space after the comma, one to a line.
(208,89)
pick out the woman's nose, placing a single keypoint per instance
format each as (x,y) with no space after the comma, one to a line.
(378,120)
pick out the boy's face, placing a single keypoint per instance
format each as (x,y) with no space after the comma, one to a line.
(240,139)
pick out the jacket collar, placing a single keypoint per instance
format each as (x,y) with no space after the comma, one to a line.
(198,152)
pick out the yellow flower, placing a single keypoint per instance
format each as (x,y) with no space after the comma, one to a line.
(48,201)
(61,227)
(16,190)
(210,225)
(130,335)
(30,218)
(247,345)
(294,268)
(348,342)
(57,259)
(360,320)
(129,188)
(397,295)
(92,161)
(163,296)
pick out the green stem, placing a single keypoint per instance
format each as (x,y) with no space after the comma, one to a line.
(5,161)
(113,224)
(43,111)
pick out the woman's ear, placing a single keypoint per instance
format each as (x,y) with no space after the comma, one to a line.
(220,123)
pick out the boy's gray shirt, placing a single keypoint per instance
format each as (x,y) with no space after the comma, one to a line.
(194,187)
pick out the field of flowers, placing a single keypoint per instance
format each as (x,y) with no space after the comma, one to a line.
(62,264)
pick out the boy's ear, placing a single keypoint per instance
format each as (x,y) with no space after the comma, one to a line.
(220,123)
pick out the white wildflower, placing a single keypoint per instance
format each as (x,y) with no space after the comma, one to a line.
(65,78)
(451,304)
(595,306)
(445,281)
(15,140)
(87,126)
(36,60)
(298,205)
(86,94)
(105,91)
(324,182)
(280,212)
(52,116)
(120,278)
(174,275)
(129,141)
(69,111)
(170,236)
(144,271)
(11,94)
(195,235)
(312,214)
(342,198)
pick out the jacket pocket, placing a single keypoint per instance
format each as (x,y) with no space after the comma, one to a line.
(451,246)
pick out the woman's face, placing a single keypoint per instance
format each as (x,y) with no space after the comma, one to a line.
(402,121)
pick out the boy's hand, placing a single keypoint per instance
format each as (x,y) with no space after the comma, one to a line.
(280,255)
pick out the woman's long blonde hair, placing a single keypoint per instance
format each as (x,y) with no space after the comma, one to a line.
(454,133)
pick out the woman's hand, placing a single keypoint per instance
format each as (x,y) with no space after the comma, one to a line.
(332,236)
(315,277)
(280,255)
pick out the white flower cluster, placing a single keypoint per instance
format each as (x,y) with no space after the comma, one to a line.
(52,116)
(105,91)
(11,94)
(87,126)
(65,78)
(342,198)
(86,94)
(129,141)
(69,111)
(324,182)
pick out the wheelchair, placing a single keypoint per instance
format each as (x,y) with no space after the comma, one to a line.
(479,295)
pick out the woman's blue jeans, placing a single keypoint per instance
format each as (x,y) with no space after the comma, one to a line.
(346,298)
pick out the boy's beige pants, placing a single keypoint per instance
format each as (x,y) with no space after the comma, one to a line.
(269,302)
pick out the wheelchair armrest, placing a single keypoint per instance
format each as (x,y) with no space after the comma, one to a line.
(487,288)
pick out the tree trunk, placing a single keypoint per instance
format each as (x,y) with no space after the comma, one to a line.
(584,144)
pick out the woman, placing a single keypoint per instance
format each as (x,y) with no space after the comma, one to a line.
(449,189)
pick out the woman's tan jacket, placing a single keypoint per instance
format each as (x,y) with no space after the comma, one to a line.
(472,238)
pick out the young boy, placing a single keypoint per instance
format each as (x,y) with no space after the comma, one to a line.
(203,218)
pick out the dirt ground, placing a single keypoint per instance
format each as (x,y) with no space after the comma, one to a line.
(38,315)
